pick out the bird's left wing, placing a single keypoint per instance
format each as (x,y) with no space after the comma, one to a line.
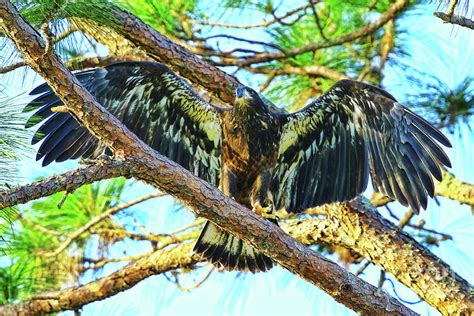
(155,104)
(328,148)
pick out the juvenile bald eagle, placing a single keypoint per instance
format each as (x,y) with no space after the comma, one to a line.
(264,159)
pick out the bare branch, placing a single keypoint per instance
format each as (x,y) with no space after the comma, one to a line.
(358,227)
(68,182)
(125,278)
(98,219)
(8,68)
(251,26)
(79,63)
(316,20)
(305,70)
(455,189)
(394,9)
(456,19)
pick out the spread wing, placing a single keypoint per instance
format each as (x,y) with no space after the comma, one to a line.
(151,101)
(328,148)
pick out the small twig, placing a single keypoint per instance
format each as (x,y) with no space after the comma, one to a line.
(39,227)
(406,219)
(240,39)
(451,8)
(198,222)
(267,82)
(59,109)
(363,267)
(49,36)
(455,19)
(381,279)
(96,220)
(398,296)
(72,29)
(8,68)
(316,19)
(63,199)
(250,26)
(198,284)
(96,264)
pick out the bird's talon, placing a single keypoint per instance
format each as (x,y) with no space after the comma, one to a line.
(265,211)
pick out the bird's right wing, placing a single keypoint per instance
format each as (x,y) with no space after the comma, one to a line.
(155,104)
(328,149)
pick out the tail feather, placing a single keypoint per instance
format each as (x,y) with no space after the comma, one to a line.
(230,252)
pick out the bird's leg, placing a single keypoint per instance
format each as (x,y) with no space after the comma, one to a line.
(228,182)
(260,198)
(103,157)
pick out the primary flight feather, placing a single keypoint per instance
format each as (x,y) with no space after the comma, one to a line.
(264,159)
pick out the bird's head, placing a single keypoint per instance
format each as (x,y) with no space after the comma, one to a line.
(246,97)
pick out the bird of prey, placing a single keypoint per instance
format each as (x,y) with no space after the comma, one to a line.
(264,159)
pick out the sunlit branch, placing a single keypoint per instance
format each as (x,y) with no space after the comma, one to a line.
(362,229)
(79,63)
(394,9)
(75,297)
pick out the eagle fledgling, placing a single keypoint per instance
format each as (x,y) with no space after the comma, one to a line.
(263,159)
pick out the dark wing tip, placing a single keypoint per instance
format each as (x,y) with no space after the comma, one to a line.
(42,88)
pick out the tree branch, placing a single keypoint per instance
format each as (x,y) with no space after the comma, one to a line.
(305,70)
(252,26)
(68,182)
(455,189)
(456,19)
(119,281)
(94,221)
(359,227)
(8,68)
(201,197)
(394,9)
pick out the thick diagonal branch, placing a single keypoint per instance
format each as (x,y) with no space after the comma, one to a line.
(204,199)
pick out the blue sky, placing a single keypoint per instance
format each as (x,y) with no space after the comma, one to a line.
(437,49)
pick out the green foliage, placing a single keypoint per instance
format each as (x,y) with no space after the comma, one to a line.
(40,228)
(13,139)
(37,12)
(449,107)
(164,15)
(336,18)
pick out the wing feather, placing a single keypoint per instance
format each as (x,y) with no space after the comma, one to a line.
(160,108)
(328,149)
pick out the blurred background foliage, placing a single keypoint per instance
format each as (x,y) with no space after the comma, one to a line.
(227,34)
